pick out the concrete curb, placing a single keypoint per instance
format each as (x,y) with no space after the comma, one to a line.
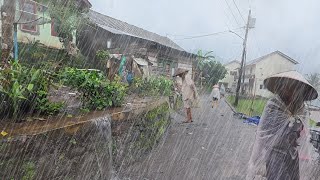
(114,115)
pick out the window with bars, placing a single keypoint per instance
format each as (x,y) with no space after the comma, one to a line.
(28,11)
(55,25)
(167,67)
(233,73)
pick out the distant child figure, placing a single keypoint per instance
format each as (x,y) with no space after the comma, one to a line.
(215,95)
(222,91)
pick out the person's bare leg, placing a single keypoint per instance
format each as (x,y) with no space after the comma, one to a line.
(214,104)
(187,118)
(189,115)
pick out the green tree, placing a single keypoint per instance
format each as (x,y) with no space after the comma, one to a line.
(68,14)
(212,72)
(198,65)
(204,57)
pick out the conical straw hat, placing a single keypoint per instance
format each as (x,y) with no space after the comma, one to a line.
(273,83)
(179,71)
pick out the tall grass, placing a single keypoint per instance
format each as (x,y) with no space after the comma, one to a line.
(248,106)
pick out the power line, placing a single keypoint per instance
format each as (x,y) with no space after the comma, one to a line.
(239,11)
(205,35)
(232,12)
(177,35)
(226,15)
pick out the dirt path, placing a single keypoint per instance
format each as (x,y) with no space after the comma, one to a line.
(215,146)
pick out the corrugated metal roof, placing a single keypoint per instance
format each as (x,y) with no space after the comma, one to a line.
(119,27)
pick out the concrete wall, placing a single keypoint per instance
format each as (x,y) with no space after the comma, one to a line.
(90,146)
(44,37)
(229,79)
(271,65)
(135,137)
(77,152)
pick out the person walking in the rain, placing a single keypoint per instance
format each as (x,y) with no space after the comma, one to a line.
(275,153)
(188,91)
(222,91)
(215,95)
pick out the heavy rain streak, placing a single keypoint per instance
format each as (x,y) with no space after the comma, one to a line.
(159,90)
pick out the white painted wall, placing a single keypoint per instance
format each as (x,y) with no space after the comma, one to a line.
(271,65)
(229,79)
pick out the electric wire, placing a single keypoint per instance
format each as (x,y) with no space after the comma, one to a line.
(239,11)
(232,12)
(206,35)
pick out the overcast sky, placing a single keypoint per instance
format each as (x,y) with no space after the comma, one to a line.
(290,26)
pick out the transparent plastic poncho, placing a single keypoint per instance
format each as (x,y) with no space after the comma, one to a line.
(281,149)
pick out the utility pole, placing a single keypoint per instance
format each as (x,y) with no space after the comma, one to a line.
(244,73)
(242,60)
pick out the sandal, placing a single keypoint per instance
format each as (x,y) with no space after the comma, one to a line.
(186,122)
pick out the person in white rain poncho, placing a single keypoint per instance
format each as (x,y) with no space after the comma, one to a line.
(188,91)
(275,153)
(215,95)
(222,91)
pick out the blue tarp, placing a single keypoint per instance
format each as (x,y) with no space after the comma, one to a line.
(253,119)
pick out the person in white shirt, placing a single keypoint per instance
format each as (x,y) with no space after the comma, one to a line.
(222,91)
(188,91)
(215,95)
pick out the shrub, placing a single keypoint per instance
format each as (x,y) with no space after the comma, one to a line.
(97,91)
(102,55)
(23,90)
(153,86)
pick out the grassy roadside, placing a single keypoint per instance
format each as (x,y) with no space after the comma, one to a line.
(245,105)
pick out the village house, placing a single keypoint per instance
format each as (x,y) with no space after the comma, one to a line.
(36,24)
(261,68)
(158,54)
(230,80)
(256,71)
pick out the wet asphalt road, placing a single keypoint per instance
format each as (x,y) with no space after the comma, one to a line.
(214,146)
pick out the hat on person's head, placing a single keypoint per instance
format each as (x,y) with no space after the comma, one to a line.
(179,71)
(273,83)
(216,86)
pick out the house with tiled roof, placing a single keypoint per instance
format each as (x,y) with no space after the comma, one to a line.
(119,37)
